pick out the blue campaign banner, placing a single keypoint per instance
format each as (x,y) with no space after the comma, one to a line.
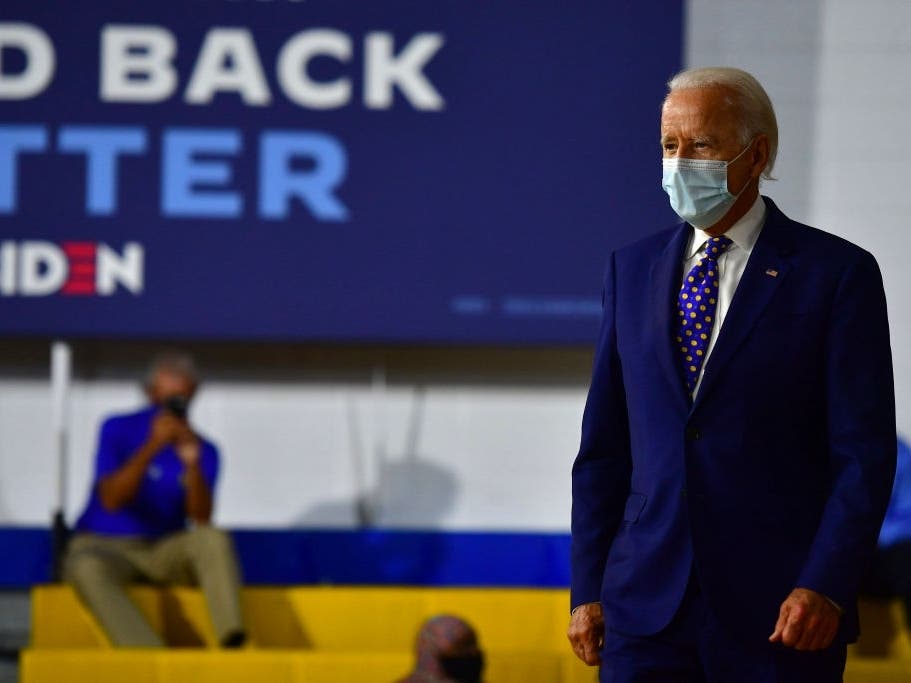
(445,171)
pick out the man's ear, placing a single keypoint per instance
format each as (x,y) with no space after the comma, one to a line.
(760,155)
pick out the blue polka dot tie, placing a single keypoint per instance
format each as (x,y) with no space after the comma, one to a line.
(696,306)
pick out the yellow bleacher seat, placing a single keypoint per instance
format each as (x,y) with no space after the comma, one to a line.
(363,634)
(177,666)
(883,653)
(257,666)
(319,618)
(884,633)
(872,670)
(387,618)
(303,635)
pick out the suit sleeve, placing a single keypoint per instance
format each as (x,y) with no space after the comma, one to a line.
(861,431)
(601,472)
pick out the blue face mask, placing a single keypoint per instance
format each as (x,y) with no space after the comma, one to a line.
(698,188)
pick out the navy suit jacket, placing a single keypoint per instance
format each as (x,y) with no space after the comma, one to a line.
(776,477)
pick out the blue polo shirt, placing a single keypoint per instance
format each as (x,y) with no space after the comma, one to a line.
(897,524)
(159,506)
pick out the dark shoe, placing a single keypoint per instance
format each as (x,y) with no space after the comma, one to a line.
(234,640)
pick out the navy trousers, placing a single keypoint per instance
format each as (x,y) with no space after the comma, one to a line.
(695,648)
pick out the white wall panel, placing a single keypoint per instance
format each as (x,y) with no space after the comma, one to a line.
(860,187)
(304,454)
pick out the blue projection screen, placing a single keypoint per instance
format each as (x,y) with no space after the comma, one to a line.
(431,171)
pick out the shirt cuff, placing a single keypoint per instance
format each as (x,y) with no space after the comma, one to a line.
(592,603)
(834,604)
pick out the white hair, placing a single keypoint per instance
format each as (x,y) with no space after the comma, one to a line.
(757,116)
(174,362)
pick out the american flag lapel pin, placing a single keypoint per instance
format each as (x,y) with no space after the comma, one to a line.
(771,272)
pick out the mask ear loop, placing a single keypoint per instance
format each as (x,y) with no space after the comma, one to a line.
(744,151)
(748,182)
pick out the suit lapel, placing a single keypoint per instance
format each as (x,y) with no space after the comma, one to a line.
(665,282)
(766,269)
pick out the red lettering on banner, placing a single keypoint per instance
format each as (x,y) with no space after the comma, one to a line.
(77,288)
(81,280)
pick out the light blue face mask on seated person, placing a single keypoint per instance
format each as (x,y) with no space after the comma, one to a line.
(698,188)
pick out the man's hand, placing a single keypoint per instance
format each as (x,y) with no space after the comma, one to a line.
(188,452)
(119,488)
(166,429)
(586,632)
(806,621)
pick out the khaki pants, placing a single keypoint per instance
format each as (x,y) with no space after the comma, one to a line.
(100,567)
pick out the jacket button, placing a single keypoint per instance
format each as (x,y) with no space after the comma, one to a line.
(692,434)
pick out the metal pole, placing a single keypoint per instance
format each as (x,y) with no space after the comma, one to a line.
(61,379)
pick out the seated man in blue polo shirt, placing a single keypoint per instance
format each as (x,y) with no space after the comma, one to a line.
(147,519)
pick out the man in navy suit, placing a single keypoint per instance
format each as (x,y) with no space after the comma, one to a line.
(738,443)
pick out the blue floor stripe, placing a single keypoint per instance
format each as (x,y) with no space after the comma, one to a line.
(375,557)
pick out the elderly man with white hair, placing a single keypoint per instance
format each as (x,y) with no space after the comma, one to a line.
(738,441)
(147,518)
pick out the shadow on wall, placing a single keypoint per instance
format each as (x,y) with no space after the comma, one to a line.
(408,492)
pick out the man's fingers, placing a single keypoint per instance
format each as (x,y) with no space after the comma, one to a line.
(825,634)
(810,634)
(587,650)
(795,626)
(591,647)
(780,624)
(807,621)
(822,635)
(586,631)
(591,654)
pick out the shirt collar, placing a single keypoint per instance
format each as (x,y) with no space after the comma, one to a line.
(743,233)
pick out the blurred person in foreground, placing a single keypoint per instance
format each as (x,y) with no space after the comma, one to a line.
(738,442)
(447,651)
(147,519)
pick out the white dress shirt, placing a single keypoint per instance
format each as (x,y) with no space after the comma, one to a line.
(731,265)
